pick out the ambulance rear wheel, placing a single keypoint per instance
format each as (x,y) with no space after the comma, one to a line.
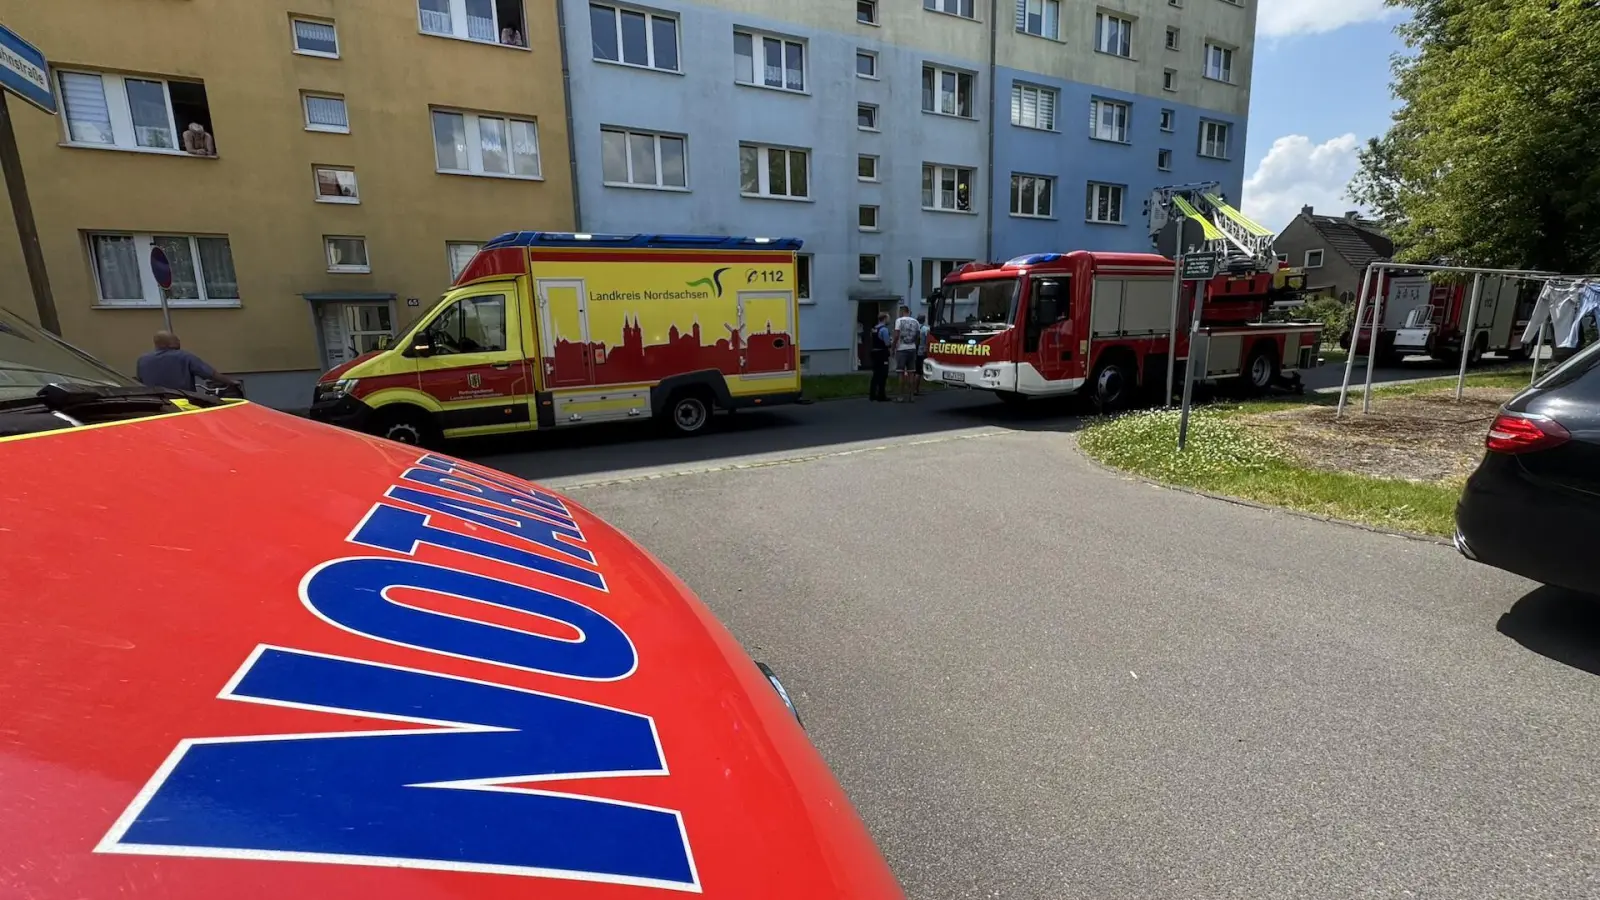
(689,412)
(406,425)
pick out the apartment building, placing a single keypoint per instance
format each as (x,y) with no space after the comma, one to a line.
(901,138)
(316,170)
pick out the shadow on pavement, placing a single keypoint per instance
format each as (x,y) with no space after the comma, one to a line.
(788,429)
(1557,623)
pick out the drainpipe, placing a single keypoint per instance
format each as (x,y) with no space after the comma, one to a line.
(572,135)
(994,88)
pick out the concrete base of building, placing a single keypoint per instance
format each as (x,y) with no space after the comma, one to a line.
(829,362)
(288,391)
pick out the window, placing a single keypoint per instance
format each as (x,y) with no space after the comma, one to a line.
(867,116)
(470,325)
(866,167)
(782,62)
(1214,139)
(946,92)
(315,38)
(946,188)
(634,38)
(1039,17)
(868,264)
(643,159)
(1104,203)
(1108,121)
(128,113)
(346,254)
(1169,80)
(802,277)
(471,144)
(1032,195)
(1219,63)
(866,64)
(962,8)
(935,271)
(484,21)
(325,112)
(867,218)
(1113,35)
(1033,106)
(335,185)
(867,12)
(1164,160)
(1168,120)
(202,270)
(774,172)
(1314,259)
(460,254)
(1172,38)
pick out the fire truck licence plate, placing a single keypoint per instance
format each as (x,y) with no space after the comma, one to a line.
(956,376)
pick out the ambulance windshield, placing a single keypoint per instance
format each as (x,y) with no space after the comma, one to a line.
(31,359)
(979,305)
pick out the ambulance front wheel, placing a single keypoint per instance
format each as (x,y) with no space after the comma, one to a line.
(406,425)
(689,411)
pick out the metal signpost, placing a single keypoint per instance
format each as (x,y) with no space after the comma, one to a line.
(1172,332)
(25,73)
(1201,267)
(161,268)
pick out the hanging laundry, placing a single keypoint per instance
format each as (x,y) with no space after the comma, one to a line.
(1588,305)
(1558,304)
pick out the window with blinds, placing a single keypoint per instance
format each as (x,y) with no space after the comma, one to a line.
(326,112)
(1039,17)
(1033,106)
(131,113)
(315,38)
(460,254)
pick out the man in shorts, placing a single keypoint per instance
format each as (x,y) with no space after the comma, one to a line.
(907,346)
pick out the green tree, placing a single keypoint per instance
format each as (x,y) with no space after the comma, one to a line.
(1494,157)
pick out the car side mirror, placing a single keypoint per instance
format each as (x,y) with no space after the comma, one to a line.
(1049,290)
(421,347)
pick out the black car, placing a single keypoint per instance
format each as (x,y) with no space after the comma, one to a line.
(1533,505)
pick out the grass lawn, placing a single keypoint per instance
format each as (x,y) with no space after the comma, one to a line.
(1334,354)
(849,386)
(1237,450)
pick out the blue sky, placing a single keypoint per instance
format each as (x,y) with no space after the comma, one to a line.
(1320,89)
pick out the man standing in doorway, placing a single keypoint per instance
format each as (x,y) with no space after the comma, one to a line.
(171,366)
(878,388)
(907,340)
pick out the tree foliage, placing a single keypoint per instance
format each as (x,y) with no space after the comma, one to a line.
(1494,157)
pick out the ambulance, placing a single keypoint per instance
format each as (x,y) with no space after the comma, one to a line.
(546,330)
(256,657)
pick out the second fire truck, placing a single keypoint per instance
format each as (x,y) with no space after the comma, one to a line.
(1098,323)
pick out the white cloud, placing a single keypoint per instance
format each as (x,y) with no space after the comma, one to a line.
(1296,173)
(1289,17)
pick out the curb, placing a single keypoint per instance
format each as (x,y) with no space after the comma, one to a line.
(1267,507)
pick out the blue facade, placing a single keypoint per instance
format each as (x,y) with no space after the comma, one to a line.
(1073,158)
(702,104)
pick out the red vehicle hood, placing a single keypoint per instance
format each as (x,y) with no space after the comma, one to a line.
(250,656)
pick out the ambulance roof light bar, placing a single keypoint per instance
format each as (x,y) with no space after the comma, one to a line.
(641,241)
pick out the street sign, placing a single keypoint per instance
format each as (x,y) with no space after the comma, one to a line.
(24,71)
(161,267)
(1199,266)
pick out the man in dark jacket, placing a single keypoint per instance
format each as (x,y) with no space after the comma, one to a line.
(171,366)
(879,354)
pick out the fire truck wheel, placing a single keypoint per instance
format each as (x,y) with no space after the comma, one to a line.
(1114,381)
(1262,369)
(689,411)
(1479,348)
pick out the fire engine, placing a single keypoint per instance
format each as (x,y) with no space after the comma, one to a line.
(1101,323)
(1425,318)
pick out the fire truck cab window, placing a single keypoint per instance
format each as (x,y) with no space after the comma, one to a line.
(470,325)
(1047,304)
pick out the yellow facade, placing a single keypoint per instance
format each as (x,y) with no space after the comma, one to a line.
(259,191)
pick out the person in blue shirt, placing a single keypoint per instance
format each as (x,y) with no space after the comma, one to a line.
(171,366)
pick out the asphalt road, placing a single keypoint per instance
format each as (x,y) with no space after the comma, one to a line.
(1037,679)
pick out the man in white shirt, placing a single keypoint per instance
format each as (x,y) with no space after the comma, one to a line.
(907,340)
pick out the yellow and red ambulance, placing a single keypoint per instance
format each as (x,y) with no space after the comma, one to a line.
(546,330)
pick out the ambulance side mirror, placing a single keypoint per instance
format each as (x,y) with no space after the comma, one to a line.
(421,346)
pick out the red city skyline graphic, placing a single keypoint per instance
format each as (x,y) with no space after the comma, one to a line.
(684,351)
